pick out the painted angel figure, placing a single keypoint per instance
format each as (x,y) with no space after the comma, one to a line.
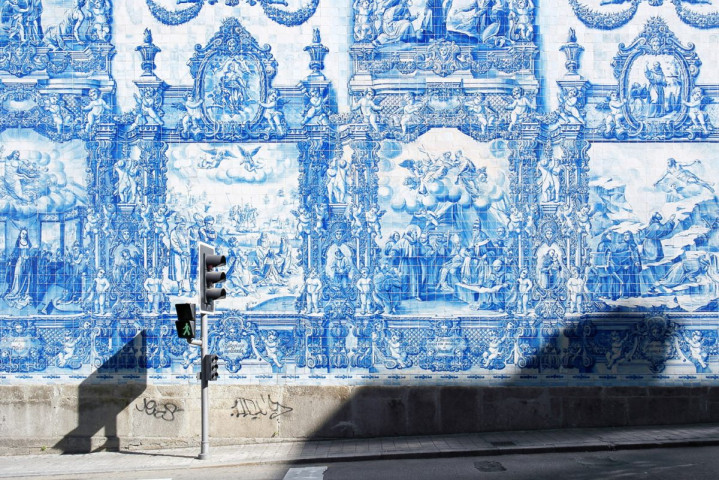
(614,120)
(368,109)
(304,222)
(519,106)
(516,221)
(191,123)
(273,113)
(95,109)
(148,108)
(100,12)
(695,110)
(356,217)
(249,161)
(321,216)
(147,219)
(214,157)
(698,355)
(569,106)
(479,107)
(431,218)
(520,20)
(373,216)
(55,106)
(421,174)
(316,109)
(584,220)
(364,27)
(566,214)
(409,113)
(92,224)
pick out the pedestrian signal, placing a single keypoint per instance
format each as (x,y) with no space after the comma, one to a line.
(185,323)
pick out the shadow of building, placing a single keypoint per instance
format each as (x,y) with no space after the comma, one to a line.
(103,397)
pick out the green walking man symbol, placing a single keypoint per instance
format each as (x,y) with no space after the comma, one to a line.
(187,330)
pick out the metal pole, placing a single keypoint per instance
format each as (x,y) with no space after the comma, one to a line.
(205,407)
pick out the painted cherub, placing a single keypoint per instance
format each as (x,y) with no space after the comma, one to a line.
(519,106)
(59,113)
(316,110)
(364,29)
(373,216)
(191,122)
(272,113)
(304,222)
(615,353)
(410,111)
(525,285)
(148,108)
(569,106)
(520,20)
(615,118)
(95,109)
(481,110)
(695,112)
(368,109)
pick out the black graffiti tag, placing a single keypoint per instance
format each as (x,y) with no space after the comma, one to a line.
(165,411)
(246,407)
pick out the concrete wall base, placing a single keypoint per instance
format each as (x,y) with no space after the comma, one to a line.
(72,418)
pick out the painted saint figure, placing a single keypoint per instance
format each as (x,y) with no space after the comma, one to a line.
(657,84)
(19,274)
(233,86)
(653,234)
(434,21)
(626,265)
(396,23)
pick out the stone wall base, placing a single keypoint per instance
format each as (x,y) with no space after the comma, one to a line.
(83,418)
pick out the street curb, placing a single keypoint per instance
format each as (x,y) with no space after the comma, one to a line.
(512,450)
(406,455)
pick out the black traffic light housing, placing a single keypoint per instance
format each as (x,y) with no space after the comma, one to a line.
(185,323)
(209,367)
(209,277)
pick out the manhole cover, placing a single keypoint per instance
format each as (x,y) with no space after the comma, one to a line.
(488,466)
(505,443)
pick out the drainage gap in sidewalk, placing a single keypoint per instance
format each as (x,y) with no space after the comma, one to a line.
(489,466)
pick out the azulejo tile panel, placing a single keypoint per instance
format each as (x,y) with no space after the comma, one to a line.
(431,192)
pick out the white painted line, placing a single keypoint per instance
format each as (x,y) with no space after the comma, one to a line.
(305,473)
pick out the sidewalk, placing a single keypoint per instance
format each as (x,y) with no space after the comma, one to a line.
(480,444)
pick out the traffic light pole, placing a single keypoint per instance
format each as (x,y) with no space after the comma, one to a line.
(205,399)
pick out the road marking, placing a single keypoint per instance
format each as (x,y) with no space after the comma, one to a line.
(305,473)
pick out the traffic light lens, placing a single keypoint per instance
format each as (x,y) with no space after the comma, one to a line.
(215,277)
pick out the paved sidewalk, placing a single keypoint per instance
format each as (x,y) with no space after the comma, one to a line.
(497,443)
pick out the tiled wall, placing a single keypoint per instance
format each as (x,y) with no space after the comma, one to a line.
(408,192)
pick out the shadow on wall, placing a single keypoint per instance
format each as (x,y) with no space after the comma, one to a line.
(98,407)
(568,380)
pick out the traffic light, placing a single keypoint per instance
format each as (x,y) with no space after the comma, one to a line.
(185,323)
(209,367)
(209,277)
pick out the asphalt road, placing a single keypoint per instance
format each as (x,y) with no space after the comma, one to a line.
(697,463)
